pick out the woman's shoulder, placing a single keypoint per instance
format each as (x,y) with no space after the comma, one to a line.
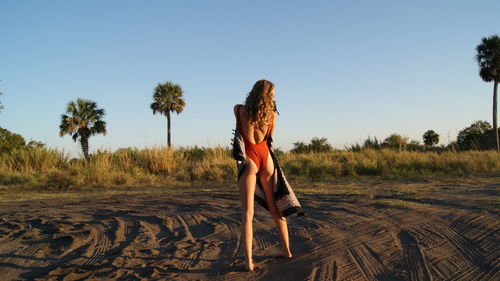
(236,108)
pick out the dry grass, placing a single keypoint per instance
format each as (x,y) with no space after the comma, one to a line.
(389,163)
(53,169)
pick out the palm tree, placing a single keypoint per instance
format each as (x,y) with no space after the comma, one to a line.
(83,120)
(488,59)
(168,98)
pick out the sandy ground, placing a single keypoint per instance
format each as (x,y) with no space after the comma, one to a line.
(369,231)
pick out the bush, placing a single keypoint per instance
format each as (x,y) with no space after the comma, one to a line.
(478,136)
(10,141)
(58,179)
(372,143)
(316,145)
(396,141)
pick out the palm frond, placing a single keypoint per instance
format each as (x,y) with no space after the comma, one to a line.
(83,119)
(99,128)
(167,97)
(488,58)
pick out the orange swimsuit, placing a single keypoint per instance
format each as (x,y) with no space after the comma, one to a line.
(257,152)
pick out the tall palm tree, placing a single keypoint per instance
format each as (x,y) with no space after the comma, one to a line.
(488,59)
(83,120)
(168,98)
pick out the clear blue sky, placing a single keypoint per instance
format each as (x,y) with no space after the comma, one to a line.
(344,70)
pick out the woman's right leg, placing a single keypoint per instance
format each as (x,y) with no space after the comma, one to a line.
(279,220)
(246,186)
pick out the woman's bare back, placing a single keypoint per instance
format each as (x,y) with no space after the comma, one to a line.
(254,135)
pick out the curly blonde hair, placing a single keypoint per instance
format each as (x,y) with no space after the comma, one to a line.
(259,104)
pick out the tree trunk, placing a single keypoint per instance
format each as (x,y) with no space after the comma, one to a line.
(168,129)
(85,147)
(495,88)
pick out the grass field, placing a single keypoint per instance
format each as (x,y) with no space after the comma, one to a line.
(42,168)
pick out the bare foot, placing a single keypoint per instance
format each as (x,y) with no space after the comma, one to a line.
(250,267)
(284,254)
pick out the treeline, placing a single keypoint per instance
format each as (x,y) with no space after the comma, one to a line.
(478,136)
(32,165)
(10,141)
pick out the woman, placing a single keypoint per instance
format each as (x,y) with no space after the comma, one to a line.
(255,121)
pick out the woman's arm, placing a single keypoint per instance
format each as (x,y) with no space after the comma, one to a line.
(273,124)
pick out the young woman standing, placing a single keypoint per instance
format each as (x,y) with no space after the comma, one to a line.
(255,120)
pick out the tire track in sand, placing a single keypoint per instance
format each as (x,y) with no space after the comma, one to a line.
(10,230)
(17,260)
(476,273)
(127,230)
(264,239)
(370,264)
(67,257)
(195,242)
(188,236)
(101,244)
(474,259)
(480,229)
(327,271)
(462,258)
(467,248)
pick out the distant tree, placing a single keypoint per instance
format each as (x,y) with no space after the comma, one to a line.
(278,152)
(414,145)
(431,138)
(396,141)
(300,147)
(168,98)
(84,119)
(320,145)
(372,143)
(10,141)
(488,59)
(453,146)
(37,144)
(477,136)
(316,145)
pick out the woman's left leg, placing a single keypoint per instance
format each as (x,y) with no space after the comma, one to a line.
(247,188)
